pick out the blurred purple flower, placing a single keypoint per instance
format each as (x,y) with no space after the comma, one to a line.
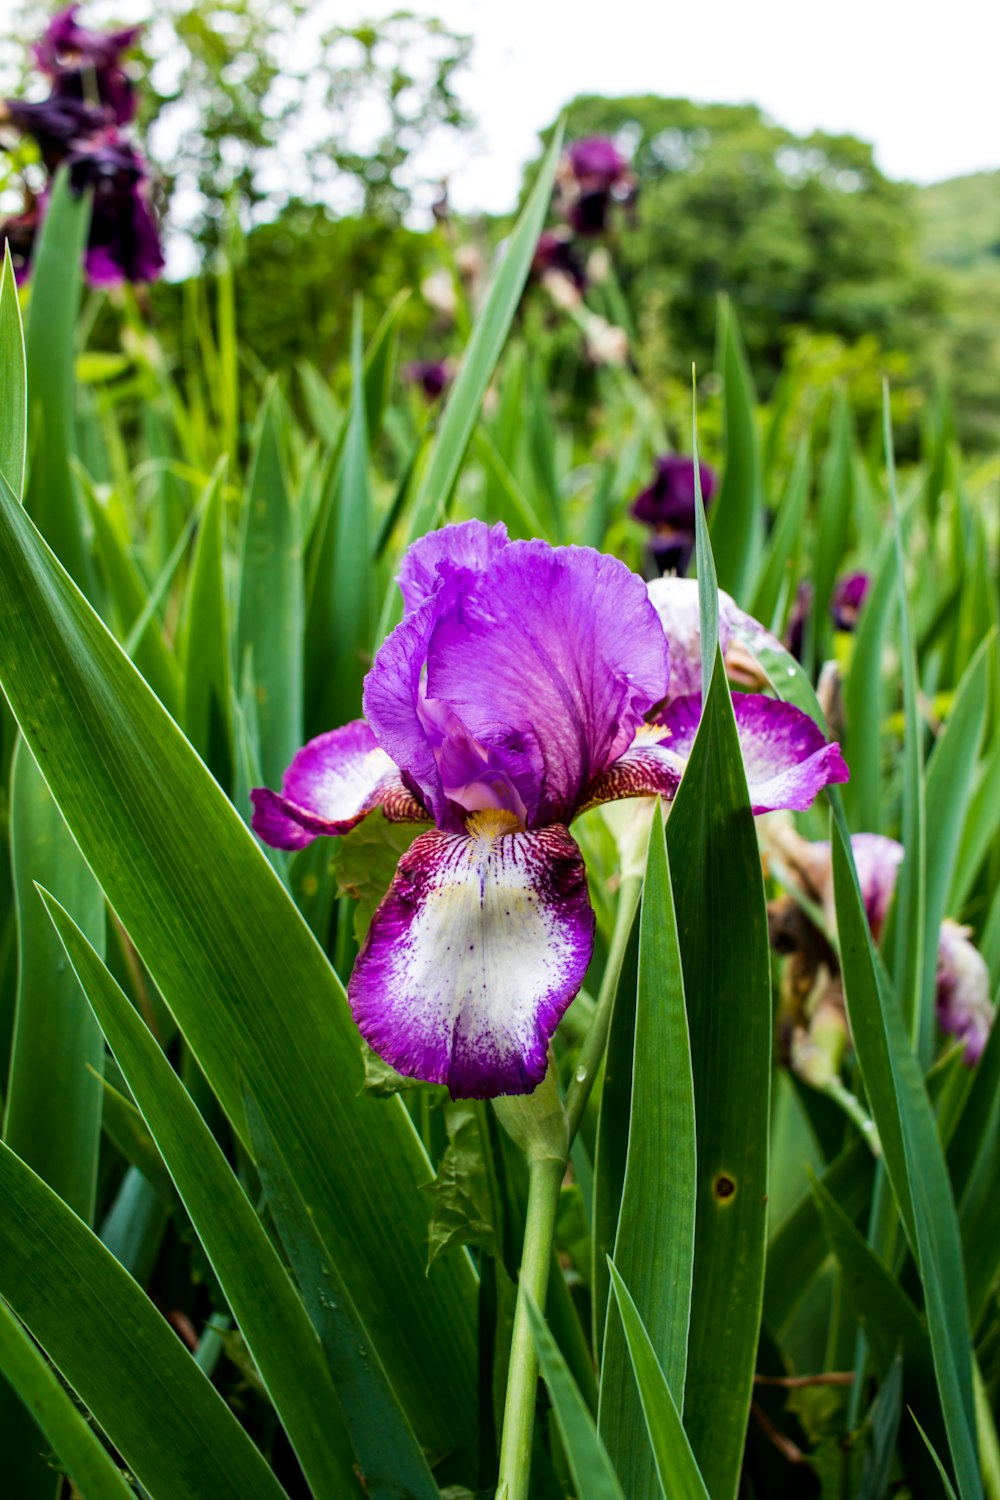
(594,174)
(56,124)
(124,243)
(515,693)
(667,507)
(849,593)
(86,64)
(433,376)
(555,251)
(597,163)
(796,628)
(964,1007)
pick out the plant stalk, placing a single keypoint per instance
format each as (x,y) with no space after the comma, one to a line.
(545,1177)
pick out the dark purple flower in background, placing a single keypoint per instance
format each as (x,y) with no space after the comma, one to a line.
(556,252)
(518,690)
(124,243)
(597,163)
(795,631)
(87,65)
(56,124)
(667,507)
(433,376)
(849,593)
(77,126)
(594,175)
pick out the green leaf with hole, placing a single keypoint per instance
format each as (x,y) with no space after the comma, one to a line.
(654,1243)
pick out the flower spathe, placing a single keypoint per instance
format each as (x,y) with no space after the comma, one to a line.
(516,691)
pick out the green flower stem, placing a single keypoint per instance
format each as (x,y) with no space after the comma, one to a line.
(592,1051)
(545,1177)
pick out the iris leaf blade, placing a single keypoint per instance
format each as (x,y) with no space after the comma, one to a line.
(119,1354)
(679,1476)
(222,942)
(264,1303)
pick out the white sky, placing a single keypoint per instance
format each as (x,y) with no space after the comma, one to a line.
(918,81)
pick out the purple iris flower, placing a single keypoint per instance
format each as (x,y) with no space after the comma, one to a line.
(517,691)
(795,630)
(56,124)
(593,176)
(124,243)
(597,163)
(555,251)
(86,64)
(433,376)
(962,999)
(964,1007)
(849,593)
(667,506)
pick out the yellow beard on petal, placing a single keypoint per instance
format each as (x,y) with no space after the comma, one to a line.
(492,823)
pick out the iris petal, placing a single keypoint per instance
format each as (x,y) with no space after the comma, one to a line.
(480,944)
(647,769)
(786,759)
(551,657)
(469,544)
(333,782)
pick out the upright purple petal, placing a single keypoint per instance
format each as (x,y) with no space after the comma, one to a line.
(849,593)
(670,500)
(552,656)
(480,944)
(964,1007)
(469,544)
(786,759)
(333,782)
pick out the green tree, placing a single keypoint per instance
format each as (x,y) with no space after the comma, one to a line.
(797,231)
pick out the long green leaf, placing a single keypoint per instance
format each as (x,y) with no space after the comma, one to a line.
(388,1453)
(678,1473)
(911,888)
(94,1473)
(340,621)
(913,1157)
(738,513)
(949,777)
(588,1460)
(656,1222)
(263,1301)
(205,640)
(270,610)
(717,877)
(251,990)
(13,381)
(56,280)
(122,1358)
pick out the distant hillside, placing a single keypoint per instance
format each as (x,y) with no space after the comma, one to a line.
(961,221)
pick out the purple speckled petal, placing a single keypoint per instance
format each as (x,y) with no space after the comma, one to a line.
(469,544)
(473,955)
(551,657)
(676,603)
(333,782)
(964,1008)
(647,769)
(786,758)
